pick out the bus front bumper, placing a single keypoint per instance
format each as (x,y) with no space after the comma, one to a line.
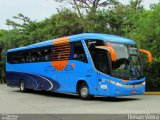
(127,90)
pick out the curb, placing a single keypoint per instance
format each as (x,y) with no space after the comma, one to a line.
(152,93)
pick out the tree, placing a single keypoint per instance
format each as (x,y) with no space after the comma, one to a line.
(66,23)
(91,6)
(27,31)
(2,44)
(136,4)
(146,32)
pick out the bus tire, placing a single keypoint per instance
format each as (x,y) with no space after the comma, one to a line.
(22,86)
(83,92)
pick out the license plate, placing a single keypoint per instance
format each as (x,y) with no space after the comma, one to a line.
(133,91)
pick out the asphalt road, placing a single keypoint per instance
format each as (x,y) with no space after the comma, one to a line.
(33,102)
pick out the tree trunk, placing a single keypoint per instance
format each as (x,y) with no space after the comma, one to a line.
(79,12)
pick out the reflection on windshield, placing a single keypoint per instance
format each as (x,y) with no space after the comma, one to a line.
(127,64)
(135,62)
(122,57)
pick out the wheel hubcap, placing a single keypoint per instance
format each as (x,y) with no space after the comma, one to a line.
(84,92)
(22,86)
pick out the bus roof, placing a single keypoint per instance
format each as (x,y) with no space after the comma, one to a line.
(84,36)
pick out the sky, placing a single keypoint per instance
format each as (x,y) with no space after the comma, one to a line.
(37,9)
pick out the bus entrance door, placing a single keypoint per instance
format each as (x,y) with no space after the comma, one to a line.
(102,65)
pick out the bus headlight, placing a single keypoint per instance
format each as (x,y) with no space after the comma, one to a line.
(126,86)
(144,83)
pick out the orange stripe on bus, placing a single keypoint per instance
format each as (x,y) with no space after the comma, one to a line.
(61,65)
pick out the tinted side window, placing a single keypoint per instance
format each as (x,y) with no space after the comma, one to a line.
(100,57)
(30,55)
(12,58)
(15,57)
(77,52)
(60,52)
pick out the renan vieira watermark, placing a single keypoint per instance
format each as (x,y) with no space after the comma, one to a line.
(144,116)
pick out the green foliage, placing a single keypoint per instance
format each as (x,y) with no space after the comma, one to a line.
(146,32)
(66,23)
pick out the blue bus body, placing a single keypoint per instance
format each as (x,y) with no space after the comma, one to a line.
(43,75)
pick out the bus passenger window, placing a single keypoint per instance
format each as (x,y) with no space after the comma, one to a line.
(78,52)
(60,52)
(46,54)
(38,55)
(51,55)
(75,56)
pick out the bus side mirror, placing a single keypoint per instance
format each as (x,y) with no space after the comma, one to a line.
(112,53)
(110,50)
(148,53)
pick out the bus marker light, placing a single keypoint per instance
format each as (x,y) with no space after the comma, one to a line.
(124,80)
(103,86)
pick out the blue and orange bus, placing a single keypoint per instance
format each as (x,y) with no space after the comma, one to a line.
(88,64)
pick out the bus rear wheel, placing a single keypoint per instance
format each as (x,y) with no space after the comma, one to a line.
(22,86)
(84,92)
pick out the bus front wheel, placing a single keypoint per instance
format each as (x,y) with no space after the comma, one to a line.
(84,92)
(22,86)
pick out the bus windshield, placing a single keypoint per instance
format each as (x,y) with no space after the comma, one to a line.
(127,64)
